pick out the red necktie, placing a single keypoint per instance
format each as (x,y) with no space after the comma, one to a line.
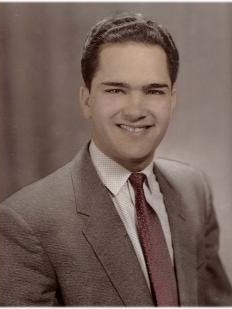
(158,261)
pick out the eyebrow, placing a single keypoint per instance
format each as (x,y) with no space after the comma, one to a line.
(125,85)
(157,85)
(116,84)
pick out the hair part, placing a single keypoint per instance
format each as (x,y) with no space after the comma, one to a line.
(126,28)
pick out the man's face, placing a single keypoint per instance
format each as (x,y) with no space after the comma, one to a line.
(130,102)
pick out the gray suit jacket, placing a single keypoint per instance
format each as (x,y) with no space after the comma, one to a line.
(62,242)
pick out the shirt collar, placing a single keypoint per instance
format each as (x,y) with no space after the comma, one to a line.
(112,174)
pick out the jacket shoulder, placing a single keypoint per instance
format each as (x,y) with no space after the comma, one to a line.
(179,171)
(189,181)
(43,198)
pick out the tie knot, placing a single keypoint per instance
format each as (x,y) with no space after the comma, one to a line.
(137,180)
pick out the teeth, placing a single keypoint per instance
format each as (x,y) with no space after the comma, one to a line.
(132,129)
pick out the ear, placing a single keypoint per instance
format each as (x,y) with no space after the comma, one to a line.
(85,101)
(173,99)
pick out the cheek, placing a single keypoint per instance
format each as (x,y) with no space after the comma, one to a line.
(104,108)
(162,112)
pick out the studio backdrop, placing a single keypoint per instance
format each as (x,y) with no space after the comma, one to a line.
(41,125)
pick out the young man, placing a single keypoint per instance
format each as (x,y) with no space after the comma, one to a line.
(112,227)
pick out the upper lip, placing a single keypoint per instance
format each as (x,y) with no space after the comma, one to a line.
(135,125)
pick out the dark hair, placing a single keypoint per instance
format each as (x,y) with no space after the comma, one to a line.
(124,28)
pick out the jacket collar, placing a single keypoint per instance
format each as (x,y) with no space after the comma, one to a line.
(107,235)
(183,239)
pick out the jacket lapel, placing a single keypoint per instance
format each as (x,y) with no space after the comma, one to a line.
(184,242)
(107,235)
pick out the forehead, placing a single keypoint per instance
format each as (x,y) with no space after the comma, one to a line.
(132,60)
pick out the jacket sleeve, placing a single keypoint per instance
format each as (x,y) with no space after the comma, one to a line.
(214,286)
(26,275)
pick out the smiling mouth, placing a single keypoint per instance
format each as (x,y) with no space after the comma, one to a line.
(135,130)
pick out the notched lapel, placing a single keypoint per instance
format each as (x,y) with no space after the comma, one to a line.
(184,243)
(107,235)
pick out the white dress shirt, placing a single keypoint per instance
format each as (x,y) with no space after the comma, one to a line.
(115,178)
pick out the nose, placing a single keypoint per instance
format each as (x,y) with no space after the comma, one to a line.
(134,108)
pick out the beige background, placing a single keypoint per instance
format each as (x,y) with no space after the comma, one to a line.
(41,126)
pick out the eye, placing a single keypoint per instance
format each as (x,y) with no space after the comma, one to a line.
(115,91)
(155,92)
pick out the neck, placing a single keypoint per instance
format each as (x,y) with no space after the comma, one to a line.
(134,166)
(131,164)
